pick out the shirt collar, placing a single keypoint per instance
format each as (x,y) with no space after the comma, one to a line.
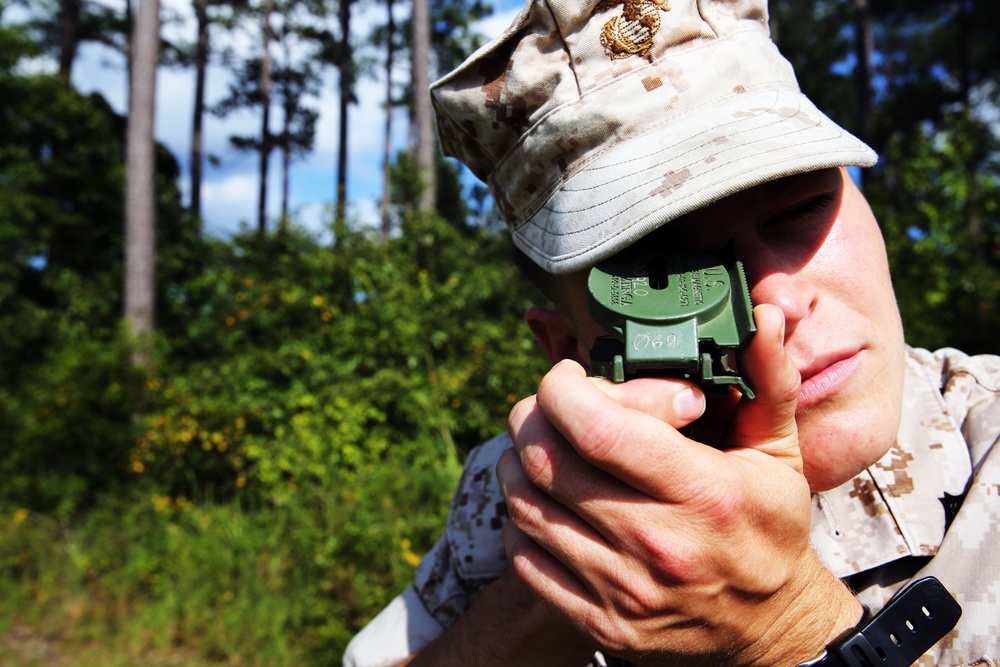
(896,508)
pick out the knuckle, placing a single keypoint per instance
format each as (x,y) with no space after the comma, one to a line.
(603,436)
(537,464)
(553,384)
(723,509)
(519,414)
(520,508)
(669,561)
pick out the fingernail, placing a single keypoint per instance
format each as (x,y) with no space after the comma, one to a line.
(689,404)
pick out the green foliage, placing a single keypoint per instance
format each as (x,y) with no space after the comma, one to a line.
(294,452)
(147,575)
(934,191)
(71,420)
(298,360)
(67,394)
(814,36)
(452,35)
(942,229)
(15,43)
(331,392)
(59,153)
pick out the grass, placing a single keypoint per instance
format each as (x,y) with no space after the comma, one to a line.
(154,580)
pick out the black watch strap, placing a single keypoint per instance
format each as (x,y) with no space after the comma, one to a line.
(915,619)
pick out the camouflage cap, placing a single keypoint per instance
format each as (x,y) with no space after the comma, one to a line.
(595,122)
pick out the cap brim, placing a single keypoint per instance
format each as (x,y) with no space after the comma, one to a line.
(651,179)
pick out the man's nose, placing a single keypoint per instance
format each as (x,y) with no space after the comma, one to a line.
(792,292)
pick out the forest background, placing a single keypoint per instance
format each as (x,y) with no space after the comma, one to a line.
(249,482)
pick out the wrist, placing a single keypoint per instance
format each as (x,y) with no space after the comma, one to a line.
(913,621)
(813,614)
(533,628)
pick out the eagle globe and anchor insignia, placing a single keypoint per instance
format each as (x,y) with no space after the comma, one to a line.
(631,33)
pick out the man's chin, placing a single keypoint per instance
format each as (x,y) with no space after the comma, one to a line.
(826,470)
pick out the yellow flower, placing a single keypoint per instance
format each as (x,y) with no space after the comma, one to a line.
(161,503)
(230,321)
(411,558)
(318,300)
(20,515)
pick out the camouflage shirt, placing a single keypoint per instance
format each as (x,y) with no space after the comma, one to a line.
(930,506)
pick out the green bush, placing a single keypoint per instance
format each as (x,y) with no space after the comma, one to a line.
(271,482)
(304,360)
(147,574)
(69,423)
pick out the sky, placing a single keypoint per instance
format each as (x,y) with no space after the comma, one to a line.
(229,190)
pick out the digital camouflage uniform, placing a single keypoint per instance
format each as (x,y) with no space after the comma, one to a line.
(930,506)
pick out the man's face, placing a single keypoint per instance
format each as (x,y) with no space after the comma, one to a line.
(811,246)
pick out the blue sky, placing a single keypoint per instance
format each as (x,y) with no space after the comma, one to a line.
(229,189)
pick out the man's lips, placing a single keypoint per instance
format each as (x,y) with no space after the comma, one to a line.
(824,377)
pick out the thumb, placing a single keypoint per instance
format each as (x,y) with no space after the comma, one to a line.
(767,423)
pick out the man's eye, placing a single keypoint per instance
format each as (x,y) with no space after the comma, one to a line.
(810,208)
(806,222)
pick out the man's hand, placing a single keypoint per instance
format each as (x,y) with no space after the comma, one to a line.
(659,548)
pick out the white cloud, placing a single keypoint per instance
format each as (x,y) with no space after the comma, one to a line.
(229,202)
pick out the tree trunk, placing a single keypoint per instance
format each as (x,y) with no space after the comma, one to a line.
(201,65)
(288,105)
(265,132)
(69,35)
(422,103)
(286,169)
(390,30)
(346,69)
(140,200)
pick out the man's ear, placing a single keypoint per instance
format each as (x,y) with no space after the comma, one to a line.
(556,333)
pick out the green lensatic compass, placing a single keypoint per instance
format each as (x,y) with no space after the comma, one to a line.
(671,314)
